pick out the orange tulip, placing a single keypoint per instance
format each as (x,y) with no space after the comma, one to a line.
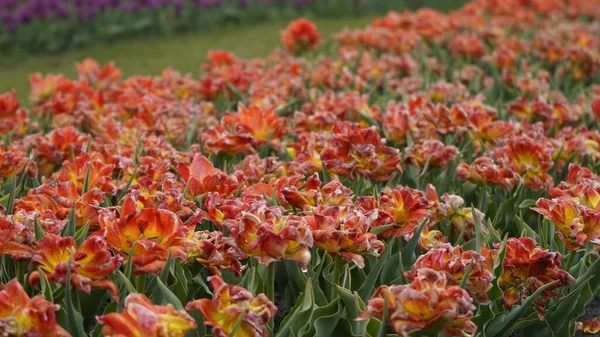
(300,35)
(142,318)
(358,151)
(202,177)
(100,78)
(344,230)
(527,267)
(483,170)
(15,238)
(56,203)
(576,224)
(23,316)
(433,152)
(13,163)
(453,261)
(263,124)
(155,232)
(226,306)
(427,301)
(589,326)
(531,158)
(267,235)
(581,185)
(405,208)
(90,264)
(215,251)
(98,174)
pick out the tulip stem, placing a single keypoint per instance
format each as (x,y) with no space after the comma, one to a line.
(569,260)
(271,271)
(140,284)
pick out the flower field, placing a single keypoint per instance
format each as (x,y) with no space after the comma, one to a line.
(431,174)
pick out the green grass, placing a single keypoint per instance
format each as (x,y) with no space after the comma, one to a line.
(150,55)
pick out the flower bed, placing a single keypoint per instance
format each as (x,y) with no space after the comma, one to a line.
(429,175)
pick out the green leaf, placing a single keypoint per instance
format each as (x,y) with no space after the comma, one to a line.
(164,273)
(498,267)
(382,332)
(561,317)
(69,229)
(380,229)
(300,313)
(168,295)
(126,284)
(408,251)
(527,203)
(503,325)
(237,323)
(130,181)
(39,231)
(479,238)
(525,229)
(326,318)
(12,194)
(465,279)
(86,181)
(368,286)
(81,234)
(45,286)
(74,318)
(354,306)
(129,265)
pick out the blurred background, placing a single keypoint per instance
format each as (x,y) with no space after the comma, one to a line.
(144,37)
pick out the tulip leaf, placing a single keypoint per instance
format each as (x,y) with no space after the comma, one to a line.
(352,301)
(465,279)
(380,229)
(479,238)
(527,203)
(164,273)
(45,286)
(39,231)
(168,295)
(485,313)
(237,323)
(129,265)
(12,194)
(74,318)
(129,182)
(126,284)
(86,181)
(300,313)
(503,325)
(382,332)
(326,318)
(562,317)
(408,251)
(69,229)
(526,229)
(81,234)
(368,285)
(111,307)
